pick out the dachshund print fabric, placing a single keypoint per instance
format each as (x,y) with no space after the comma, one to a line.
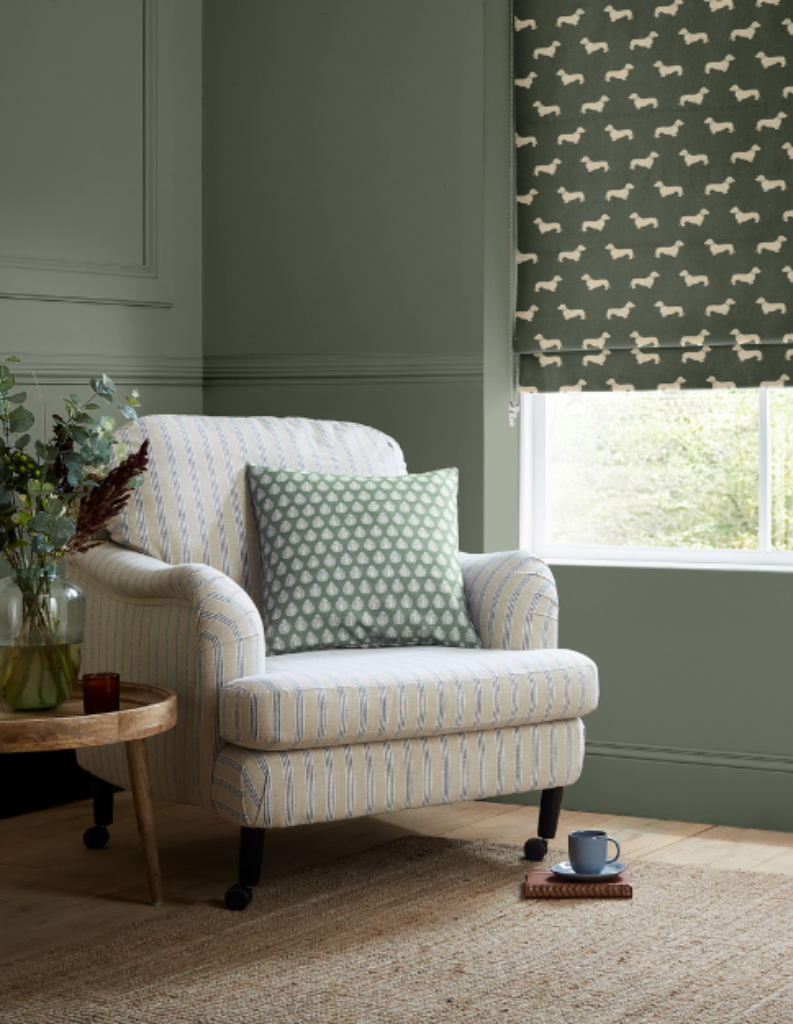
(654,180)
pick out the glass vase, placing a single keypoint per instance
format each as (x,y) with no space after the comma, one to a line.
(42,619)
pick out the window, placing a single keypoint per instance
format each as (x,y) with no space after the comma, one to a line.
(687,477)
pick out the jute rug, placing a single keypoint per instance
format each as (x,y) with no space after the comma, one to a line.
(434,930)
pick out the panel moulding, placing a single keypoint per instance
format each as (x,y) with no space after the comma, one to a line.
(147,283)
(78,368)
(309,368)
(57,367)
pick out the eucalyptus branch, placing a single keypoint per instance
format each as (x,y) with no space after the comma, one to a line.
(72,421)
(53,504)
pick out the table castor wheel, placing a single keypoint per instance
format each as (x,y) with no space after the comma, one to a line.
(96,837)
(535,848)
(238,897)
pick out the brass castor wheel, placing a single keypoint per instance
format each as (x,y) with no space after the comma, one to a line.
(238,897)
(96,837)
(535,848)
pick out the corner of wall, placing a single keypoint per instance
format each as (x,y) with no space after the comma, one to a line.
(501,447)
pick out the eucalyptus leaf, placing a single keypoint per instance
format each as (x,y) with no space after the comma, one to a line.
(54,507)
(79,434)
(22,442)
(64,529)
(74,468)
(12,359)
(127,412)
(20,420)
(83,418)
(40,523)
(18,398)
(103,450)
(46,452)
(6,383)
(103,386)
(40,545)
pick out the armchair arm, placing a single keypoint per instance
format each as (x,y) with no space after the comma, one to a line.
(512,600)
(186,627)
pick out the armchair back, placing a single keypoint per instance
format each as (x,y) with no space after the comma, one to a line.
(194,505)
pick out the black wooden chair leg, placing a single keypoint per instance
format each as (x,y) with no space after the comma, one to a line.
(250,868)
(97,836)
(550,809)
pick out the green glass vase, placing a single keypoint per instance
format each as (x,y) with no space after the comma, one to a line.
(42,620)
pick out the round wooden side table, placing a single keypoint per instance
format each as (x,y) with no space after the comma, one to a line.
(144,711)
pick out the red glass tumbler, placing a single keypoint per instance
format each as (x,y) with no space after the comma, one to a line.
(101,692)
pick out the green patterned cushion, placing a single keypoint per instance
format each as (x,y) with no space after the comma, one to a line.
(359,561)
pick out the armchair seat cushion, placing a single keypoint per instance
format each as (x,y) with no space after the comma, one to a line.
(330,698)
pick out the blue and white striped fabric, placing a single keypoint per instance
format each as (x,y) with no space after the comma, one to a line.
(512,600)
(297,787)
(337,697)
(184,627)
(194,505)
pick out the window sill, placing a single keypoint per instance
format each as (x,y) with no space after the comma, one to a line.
(626,563)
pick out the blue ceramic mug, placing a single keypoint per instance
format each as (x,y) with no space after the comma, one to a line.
(587,850)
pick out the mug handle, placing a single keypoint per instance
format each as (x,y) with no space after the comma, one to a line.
(616,856)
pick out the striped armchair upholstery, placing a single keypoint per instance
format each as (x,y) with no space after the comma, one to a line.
(174,599)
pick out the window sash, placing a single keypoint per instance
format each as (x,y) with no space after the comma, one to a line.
(534,509)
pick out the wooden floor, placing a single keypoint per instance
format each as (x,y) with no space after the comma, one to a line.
(53,891)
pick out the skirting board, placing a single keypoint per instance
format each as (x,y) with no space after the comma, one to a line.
(741,791)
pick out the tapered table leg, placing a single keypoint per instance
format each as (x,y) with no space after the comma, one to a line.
(138,764)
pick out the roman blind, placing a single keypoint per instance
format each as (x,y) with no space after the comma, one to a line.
(654,206)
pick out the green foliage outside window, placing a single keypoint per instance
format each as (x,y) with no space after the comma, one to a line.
(675,469)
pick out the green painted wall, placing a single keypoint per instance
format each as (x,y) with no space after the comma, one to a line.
(357,251)
(100,250)
(356,208)
(100,195)
(694,721)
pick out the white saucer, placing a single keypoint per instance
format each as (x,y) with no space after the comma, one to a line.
(565,870)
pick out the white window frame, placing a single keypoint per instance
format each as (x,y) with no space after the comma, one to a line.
(533,518)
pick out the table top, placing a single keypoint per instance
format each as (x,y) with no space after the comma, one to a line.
(145,711)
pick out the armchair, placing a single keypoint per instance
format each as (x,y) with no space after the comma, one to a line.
(173,599)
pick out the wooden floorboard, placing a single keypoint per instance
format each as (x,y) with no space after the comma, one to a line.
(55,892)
